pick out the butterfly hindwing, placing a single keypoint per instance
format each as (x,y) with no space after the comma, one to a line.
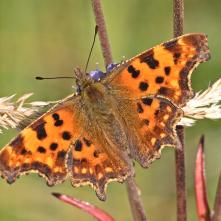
(163,70)
(97,165)
(156,122)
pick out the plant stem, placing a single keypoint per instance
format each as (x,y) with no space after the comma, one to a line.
(180,177)
(137,208)
(217,205)
(178,19)
(102,32)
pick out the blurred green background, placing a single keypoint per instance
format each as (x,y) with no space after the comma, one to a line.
(52,37)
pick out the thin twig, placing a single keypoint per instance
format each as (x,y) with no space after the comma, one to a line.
(133,193)
(178,18)
(135,202)
(102,32)
(217,205)
(180,177)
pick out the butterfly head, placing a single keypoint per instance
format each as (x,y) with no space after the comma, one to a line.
(88,87)
(84,79)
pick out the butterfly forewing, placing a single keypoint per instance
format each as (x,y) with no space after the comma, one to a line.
(41,147)
(163,70)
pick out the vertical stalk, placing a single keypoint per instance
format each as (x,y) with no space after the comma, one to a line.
(102,32)
(180,177)
(216,216)
(178,19)
(137,208)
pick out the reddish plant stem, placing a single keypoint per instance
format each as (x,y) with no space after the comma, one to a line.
(94,211)
(202,205)
(137,208)
(178,19)
(216,216)
(102,32)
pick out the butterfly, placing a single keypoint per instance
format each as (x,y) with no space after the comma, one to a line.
(129,113)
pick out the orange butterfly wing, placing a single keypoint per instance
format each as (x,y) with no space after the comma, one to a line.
(56,146)
(42,147)
(156,84)
(163,70)
(156,119)
(97,165)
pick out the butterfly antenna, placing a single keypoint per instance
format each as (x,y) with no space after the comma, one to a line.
(43,78)
(92,46)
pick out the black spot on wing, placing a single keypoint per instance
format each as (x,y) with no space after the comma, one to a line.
(53,146)
(149,59)
(167,70)
(159,80)
(66,135)
(147,101)
(41,149)
(39,128)
(58,123)
(143,86)
(134,73)
(55,116)
(78,145)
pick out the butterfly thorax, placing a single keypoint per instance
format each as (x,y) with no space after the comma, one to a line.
(94,93)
